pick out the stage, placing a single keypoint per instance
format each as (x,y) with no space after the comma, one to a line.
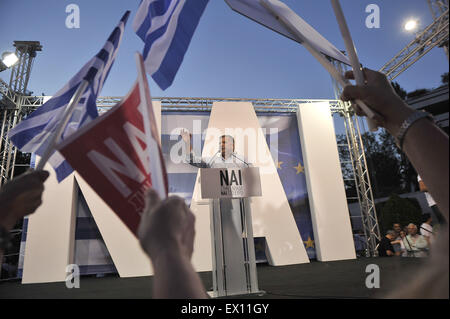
(339,279)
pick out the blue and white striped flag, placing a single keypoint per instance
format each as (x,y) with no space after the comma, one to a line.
(166,27)
(34,133)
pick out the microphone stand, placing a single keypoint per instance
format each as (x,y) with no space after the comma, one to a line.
(212,158)
(240,159)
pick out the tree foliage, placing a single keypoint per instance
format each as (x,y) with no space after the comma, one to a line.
(389,169)
(398,210)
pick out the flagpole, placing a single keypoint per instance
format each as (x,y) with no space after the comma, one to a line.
(158,181)
(54,139)
(319,57)
(351,51)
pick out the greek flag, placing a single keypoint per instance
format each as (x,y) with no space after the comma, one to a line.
(33,134)
(166,27)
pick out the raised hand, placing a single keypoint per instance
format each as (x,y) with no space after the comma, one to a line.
(21,197)
(379,95)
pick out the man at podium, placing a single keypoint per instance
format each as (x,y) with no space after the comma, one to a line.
(225,157)
(234,267)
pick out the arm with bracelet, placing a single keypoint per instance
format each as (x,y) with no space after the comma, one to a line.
(425,144)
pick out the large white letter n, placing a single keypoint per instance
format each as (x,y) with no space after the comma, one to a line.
(109,167)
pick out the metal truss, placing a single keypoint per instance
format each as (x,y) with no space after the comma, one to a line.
(8,95)
(20,73)
(437,7)
(11,104)
(10,114)
(187,104)
(205,104)
(363,185)
(436,34)
(360,172)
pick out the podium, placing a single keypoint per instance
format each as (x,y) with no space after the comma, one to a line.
(229,191)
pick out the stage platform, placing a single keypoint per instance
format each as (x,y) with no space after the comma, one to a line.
(339,279)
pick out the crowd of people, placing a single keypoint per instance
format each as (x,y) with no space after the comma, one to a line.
(167,231)
(408,241)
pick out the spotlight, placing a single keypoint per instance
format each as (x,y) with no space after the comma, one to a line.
(9,59)
(411,25)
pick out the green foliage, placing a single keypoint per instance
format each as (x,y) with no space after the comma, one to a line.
(383,163)
(390,170)
(398,210)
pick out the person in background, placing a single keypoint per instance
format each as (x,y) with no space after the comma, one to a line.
(426,229)
(427,148)
(18,198)
(397,227)
(396,244)
(385,248)
(431,203)
(415,244)
(403,252)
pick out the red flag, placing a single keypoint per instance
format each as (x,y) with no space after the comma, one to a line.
(119,153)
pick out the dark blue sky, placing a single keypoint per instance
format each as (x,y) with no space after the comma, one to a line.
(230,56)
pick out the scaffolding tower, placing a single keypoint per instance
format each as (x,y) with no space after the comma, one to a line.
(11,104)
(358,175)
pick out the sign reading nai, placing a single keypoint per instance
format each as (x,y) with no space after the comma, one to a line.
(230,182)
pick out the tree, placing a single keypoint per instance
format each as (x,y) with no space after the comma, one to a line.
(346,166)
(389,169)
(383,163)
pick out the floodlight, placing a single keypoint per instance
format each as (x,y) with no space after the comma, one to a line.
(411,25)
(9,59)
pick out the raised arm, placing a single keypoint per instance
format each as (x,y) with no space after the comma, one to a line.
(166,234)
(18,198)
(425,144)
(191,159)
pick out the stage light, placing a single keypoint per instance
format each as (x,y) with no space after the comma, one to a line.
(9,59)
(411,25)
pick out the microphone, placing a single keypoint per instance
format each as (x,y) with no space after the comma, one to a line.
(240,159)
(212,158)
